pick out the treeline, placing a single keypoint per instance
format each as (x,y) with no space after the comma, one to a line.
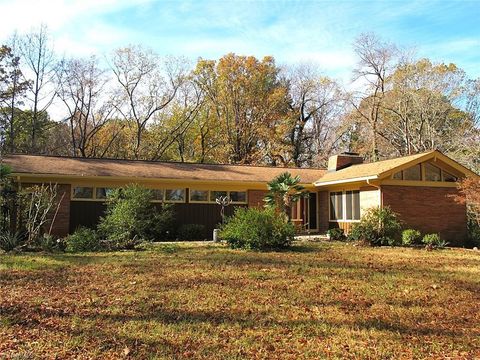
(238,109)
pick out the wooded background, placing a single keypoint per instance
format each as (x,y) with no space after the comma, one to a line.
(135,104)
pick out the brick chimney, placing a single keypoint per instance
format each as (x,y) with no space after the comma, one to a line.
(343,160)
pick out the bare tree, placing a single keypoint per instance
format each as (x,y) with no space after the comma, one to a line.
(38,56)
(145,87)
(82,88)
(316,103)
(184,109)
(374,66)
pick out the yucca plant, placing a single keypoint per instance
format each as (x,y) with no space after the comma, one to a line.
(283,191)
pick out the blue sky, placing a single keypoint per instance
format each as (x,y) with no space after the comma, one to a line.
(292,31)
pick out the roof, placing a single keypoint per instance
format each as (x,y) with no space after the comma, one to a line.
(84,167)
(379,169)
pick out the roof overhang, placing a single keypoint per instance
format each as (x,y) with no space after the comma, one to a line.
(320,183)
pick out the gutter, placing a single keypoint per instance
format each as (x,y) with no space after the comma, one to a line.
(334,182)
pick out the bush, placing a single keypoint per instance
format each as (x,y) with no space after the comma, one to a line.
(434,241)
(131,218)
(49,243)
(257,229)
(473,235)
(10,240)
(411,237)
(378,226)
(191,232)
(336,234)
(162,223)
(83,239)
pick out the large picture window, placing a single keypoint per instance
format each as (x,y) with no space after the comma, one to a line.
(336,206)
(345,205)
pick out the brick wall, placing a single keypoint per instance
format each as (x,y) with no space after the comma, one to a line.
(255,198)
(429,210)
(61,225)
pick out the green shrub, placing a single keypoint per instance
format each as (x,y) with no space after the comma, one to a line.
(257,229)
(434,241)
(191,232)
(131,218)
(50,243)
(10,240)
(378,226)
(411,237)
(336,234)
(83,239)
(162,224)
(473,233)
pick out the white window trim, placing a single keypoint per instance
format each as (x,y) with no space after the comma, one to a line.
(344,207)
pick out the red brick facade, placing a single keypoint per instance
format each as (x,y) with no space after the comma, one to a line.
(255,198)
(429,210)
(61,226)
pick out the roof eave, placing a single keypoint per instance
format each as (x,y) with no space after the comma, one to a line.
(320,183)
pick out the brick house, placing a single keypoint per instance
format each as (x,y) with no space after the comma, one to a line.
(417,187)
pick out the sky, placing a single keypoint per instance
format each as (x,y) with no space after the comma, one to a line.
(320,32)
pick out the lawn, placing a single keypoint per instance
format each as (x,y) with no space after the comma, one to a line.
(202,300)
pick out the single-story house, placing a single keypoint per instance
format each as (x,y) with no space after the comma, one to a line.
(417,187)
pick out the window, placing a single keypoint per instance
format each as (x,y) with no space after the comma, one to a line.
(102,193)
(352,205)
(238,196)
(157,194)
(336,206)
(413,173)
(345,205)
(449,177)
(432,173)
(216,194)
(82,192)
(175,195)
(198,195)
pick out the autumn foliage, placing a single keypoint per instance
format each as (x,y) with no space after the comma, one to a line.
(470,195)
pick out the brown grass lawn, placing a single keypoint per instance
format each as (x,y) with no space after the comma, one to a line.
(199,300)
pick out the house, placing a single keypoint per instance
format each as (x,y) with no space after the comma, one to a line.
(418,187)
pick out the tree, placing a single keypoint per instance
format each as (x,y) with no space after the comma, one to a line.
(38,56)
(248,101)
(12,90)
(374,67)
(145,89)
(419,109)
(174,126)
(315,106)
(283,191)
(469,194)
(82,88)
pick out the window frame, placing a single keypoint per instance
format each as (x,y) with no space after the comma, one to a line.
(165,200)
(344,206)
(423,174)
(210,200)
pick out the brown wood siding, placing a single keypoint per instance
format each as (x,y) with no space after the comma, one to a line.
(345,226)
(88,213)
(323,215)
(85,213)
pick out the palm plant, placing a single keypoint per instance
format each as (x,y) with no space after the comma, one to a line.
(283,191)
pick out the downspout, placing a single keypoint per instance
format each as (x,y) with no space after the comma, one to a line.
(380,198)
